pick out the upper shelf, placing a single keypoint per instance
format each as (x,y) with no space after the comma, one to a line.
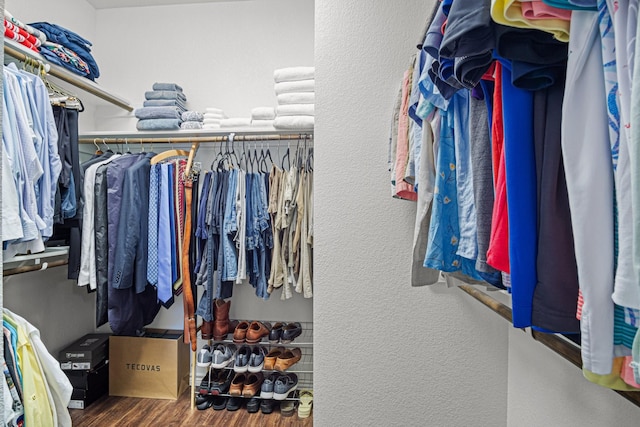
(19,52)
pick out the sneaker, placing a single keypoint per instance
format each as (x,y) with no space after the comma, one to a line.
(287,408)
(222,355)
(285,384)
(234,403)
(253,405)
(203,359)
(241,363)
(220,381)
(205,384)
(267,406)
(256,360)
(219,403)
(266,390)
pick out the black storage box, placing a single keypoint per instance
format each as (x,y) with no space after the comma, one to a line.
(86,353)
(88,386)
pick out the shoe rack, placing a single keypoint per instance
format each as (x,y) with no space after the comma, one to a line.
(303,368)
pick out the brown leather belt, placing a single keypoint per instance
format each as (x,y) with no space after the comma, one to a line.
(190,332)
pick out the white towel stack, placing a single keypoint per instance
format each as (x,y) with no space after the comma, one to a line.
(262,117)
(295,92)
(236,122)
(213,118)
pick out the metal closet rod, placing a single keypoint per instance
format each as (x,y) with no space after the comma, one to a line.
(69,78)
(200,139)
(554,342)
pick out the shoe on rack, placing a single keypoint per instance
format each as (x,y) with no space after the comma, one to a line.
(237,384)
(200,399)
(206,330)
(241,363)
(305,403)
(287,408)
(205,403)
(219,403)
(287,359)
(256,331)
(271,357)
(203,359)
(256,360)
(291,332)
(252,385)
(285,384)
(267,405)
(240,332)
(220,381)
(221,316)
(276,333)
(222,355)
(234,403)
(205,384)
(253,405)
(266,389)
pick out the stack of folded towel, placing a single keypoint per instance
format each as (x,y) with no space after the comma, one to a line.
(212,118)
(295,92)
(235,122)
(263,117)
(192,120)
(162,108)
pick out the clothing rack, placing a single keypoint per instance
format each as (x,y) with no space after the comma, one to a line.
(306,136)
(555,342)
(12,49)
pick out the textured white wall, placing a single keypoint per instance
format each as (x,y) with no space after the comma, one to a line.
(546,390)
(386,354)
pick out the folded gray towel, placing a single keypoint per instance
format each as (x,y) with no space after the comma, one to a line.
(167,86)
(165,103)
(165,94)
(158,113)
(191,125)
(158,124)
(192,116)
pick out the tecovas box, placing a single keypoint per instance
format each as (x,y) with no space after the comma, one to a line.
(86,353)
(154,366)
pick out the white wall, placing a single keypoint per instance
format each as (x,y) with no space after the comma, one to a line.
(386,354)
(223,54)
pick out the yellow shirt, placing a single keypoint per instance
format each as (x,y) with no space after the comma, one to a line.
(509,12)
(613,380)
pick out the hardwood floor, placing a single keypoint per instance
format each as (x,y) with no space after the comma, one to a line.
(128,411)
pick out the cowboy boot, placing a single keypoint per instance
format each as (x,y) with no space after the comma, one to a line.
(221,322)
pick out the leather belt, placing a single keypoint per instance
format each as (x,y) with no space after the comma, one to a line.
(190,331)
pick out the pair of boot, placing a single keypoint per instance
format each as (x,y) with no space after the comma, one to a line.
(219,327)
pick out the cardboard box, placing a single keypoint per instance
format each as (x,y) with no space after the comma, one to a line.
(86,353)
(154,366)
(88,386)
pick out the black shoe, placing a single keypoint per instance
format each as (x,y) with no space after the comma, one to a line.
(290,332)
(234,403)
(205,384)
(276,332)
(220,381)
(267,405)
(253,405)
(219,403)
(205,404)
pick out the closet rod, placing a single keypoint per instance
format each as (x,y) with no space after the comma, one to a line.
(37,267)
(68,77)
(552,341)
(199,139)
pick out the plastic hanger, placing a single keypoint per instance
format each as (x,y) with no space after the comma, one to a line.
(98,150)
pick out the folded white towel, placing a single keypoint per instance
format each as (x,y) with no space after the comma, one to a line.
(299,86)
(296,98)
(296,110)
(210,126)
(294,122)
(262,123)
(214,110)
(263,113)
(214,116)
(212,121)
(235,122)
(293,74)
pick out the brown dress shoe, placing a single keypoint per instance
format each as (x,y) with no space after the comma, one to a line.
(221,316)
(240,332)
(237,384)
(257,330)
(271,357)
(252,384)
(206,330)
(287,359)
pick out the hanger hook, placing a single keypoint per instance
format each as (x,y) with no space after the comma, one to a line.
(96,144)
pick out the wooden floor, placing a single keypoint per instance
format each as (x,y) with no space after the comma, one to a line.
(127,411)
